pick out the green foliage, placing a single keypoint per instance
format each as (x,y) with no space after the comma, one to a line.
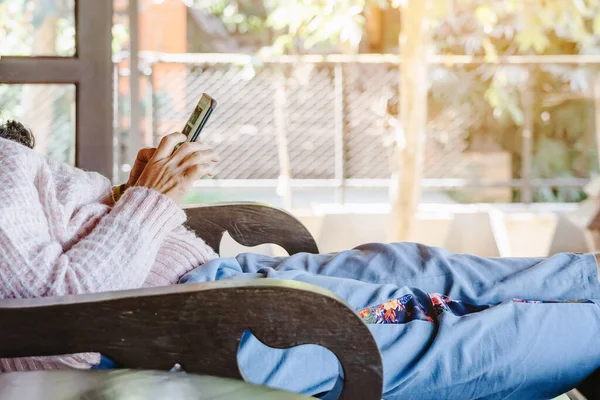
(120,34)
(305,24)
(486,101)
(560,93)
(20,18)
(534,26)
(296,25)
(14,35)
(237,16)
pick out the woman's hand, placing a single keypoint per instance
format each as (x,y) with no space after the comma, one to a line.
(174,173)
(143,156)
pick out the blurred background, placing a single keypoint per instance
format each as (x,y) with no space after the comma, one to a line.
(468,124)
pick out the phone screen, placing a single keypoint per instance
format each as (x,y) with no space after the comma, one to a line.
(195,115)
(198,119)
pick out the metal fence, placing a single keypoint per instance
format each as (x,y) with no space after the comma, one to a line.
(312,108)
(331,122)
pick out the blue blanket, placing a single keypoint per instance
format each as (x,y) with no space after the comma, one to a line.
(488,328)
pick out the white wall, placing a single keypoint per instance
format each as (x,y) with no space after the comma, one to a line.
(485,230)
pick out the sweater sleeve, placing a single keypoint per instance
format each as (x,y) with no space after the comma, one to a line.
(34,264)
(181,252)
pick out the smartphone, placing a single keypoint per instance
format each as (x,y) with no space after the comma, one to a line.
(199,117)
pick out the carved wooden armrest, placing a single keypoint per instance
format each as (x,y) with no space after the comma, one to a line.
(196,325)
(250,224)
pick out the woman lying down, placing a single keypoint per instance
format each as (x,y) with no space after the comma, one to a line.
(448,326)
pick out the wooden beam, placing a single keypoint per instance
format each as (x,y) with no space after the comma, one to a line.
(285,170)
(528,101)
(95,148)
(440,59)
(48,70)
(597,116)
(410,143)
(339,133)
(134,139)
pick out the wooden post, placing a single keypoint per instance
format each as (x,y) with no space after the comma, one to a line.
(410,143)
(527,138)
(374,27)
(134,142)
(117,172)
(340,127)
(597,115)
(163,28)
(285,172)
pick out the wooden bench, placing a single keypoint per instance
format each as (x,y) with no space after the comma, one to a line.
(250,224)
(200,325)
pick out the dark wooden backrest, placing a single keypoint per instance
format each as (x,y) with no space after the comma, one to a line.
(197,325)
(250,224)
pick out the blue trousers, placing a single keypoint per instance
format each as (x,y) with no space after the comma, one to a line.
(510,350)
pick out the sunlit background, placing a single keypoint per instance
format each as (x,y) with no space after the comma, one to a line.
(330,108)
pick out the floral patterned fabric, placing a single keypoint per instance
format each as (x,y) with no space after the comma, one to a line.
(410,308)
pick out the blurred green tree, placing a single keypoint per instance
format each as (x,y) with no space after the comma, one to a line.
(561,96)
(488,98)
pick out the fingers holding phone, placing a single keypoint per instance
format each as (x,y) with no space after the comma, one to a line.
(143,156)
(173,173)
(197,159)
(181,158)
(167,145)
(196,148)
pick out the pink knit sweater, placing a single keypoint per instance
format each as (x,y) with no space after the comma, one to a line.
(61,233)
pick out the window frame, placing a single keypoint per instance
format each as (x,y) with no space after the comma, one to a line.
(91,71)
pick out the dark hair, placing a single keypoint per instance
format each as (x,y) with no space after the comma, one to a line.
(15,131)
